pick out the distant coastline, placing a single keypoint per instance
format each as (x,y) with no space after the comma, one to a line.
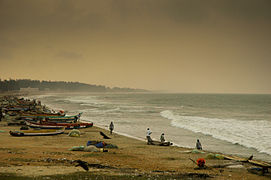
(33,86)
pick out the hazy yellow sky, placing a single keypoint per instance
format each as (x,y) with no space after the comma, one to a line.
(198,46)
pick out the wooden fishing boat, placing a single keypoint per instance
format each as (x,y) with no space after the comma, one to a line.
(53,125)
(260,163)
(42,115)
(47,132)
(158,143)
(64,118)
(16,108)
(235,158)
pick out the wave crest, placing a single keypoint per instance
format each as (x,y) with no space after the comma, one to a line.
(253,134)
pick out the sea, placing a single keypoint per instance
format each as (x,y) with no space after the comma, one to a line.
(234,124)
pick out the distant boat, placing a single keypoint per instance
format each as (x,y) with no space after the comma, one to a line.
(47,132)
(54,125)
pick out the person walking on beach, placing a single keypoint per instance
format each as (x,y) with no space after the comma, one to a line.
(162,138)
(149,136)
(198,145)
(111,127)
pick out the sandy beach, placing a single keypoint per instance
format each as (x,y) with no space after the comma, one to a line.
(43,156)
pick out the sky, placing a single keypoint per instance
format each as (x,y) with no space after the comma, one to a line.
(186,46)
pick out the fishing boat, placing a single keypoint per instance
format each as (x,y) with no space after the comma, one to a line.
(16,108)
(54,125)
(42,115)
(64,118)
(42,132)
(158,143)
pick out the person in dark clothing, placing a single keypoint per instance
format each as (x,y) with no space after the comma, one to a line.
(198,145)
(111,127)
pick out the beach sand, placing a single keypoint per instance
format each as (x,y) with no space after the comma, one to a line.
(49,155)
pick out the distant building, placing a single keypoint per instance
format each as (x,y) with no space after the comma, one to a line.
(29,89)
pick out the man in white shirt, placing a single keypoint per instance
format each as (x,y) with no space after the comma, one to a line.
(162,138)
(149,136)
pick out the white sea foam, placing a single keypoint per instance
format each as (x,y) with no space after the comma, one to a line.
(39,96)
(86,100)
(253,134)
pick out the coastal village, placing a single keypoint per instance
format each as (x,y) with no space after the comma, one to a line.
(38,142)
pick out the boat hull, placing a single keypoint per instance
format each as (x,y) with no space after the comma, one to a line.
(58,125)
(36,133)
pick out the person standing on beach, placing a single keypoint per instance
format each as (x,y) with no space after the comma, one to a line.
(149,136)
(198,145)
(162,138)
(111,127)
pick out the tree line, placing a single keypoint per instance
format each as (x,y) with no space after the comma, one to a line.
(15,85)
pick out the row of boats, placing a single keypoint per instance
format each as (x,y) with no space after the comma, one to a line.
(39,117)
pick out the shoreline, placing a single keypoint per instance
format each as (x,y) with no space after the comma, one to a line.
(25,159)
(188,147)
(213,143)
(176,145)
(46,156)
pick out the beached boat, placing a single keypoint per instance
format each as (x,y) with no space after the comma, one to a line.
(158,143)
(47,132)
(16,108)
(64,118)
(42,115)
(53,125)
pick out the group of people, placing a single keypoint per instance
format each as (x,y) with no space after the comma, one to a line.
(149,139)
(162,139)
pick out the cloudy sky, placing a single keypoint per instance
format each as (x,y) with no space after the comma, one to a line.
(198,46)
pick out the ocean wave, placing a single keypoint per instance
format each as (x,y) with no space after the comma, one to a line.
(252,134)
(114,110)
(86,100)
(39,96)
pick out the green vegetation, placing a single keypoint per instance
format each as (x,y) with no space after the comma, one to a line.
(13,85)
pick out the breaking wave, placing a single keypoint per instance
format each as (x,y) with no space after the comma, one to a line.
(252,134)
